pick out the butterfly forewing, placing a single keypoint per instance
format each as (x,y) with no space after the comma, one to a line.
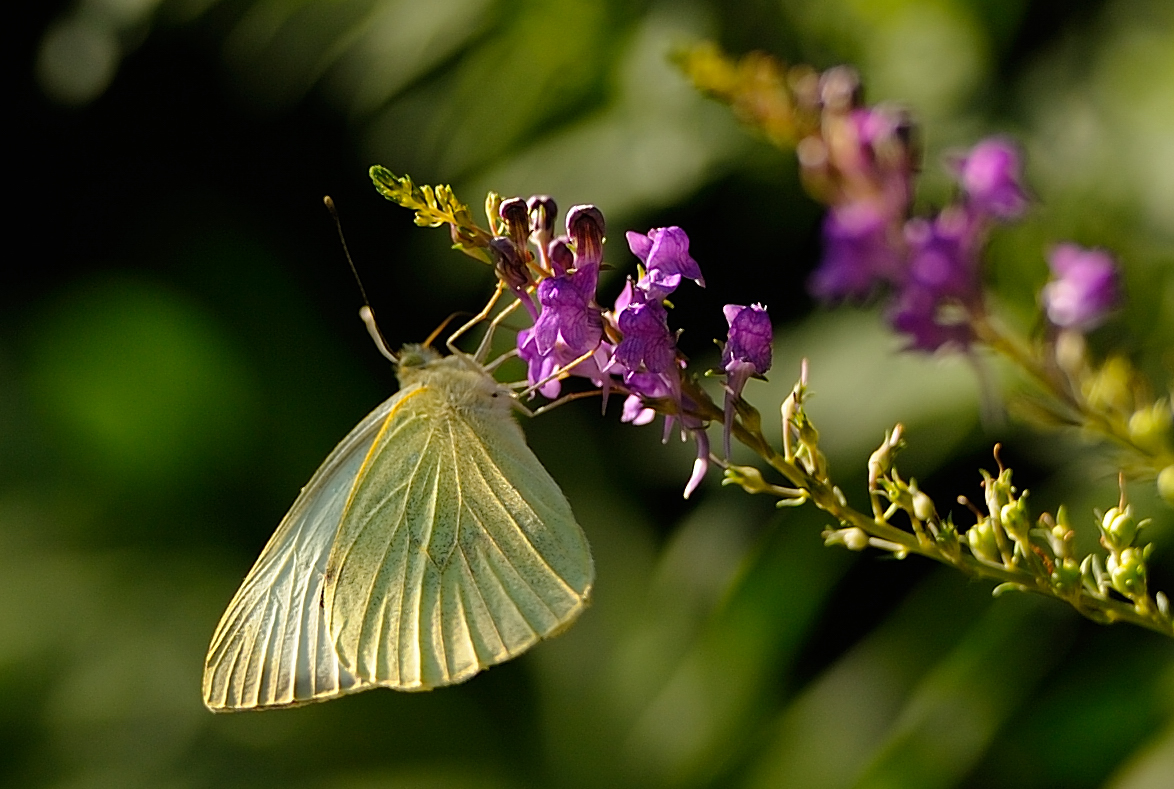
(272,647)
(456,551)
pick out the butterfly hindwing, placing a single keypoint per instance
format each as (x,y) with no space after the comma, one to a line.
(456,551)
(272,647)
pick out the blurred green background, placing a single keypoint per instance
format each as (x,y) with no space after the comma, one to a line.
(180,348)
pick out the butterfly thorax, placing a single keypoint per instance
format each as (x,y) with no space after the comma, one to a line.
(464,384)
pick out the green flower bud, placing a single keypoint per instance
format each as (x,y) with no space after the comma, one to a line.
(747,477)
(1128,574)
(1149,427)
(1015,519)
(1108,389)
(855,539)
(1166,484)
(1071,351)
(1066,576)
(948,538)
(851,537)
(923,507)
(981,537)
(1119,527)
(808,434)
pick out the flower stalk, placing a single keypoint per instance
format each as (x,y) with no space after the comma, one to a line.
(862,162)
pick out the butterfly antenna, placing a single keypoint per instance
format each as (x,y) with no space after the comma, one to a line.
(443,325)
(365,312)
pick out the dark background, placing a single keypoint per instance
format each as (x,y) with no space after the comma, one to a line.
(179,348)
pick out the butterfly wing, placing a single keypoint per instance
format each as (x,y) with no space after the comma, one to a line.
(272,647)
(457,550)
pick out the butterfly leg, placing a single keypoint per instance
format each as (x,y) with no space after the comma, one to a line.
(560,372)
(482,315)
(556,403)
(487,340)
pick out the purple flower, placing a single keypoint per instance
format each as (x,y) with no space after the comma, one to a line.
(748,340)
(941,255)
(920,313)
(1084,288)
(650,386)
(990,176)
(570,324)
(859,153)
(747,353)
(569,317)
(646,356)
(656,386)
(635,412)
(541,366)
(859,252)
(941,285)
(664,252)
(887,155)
(647,344)
(541,211)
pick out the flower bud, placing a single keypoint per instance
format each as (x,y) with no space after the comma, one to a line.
(517,221)
(879,464)
(808,434)
(1149,427)
(1071,351)
(561,258)
(1128,574)
(542,211)
(855,539)
(1166,484)
(1119,527)
(1109,388)
(983,544)
(852,538)
(1015,520)
(747,477)
(511,269)
(839,89)
(923,508)
(1066,577)
(585,226)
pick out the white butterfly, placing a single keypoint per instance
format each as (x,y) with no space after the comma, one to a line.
(429,545)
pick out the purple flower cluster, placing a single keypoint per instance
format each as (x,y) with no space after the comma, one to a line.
(630,346)
(931,266)
(567,335)
(862,162)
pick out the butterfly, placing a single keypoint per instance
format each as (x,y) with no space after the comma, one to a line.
(429,545)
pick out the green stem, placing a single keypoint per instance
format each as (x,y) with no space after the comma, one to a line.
(1085,416)
(823,495)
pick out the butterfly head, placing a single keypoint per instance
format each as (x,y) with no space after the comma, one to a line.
(412,359)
